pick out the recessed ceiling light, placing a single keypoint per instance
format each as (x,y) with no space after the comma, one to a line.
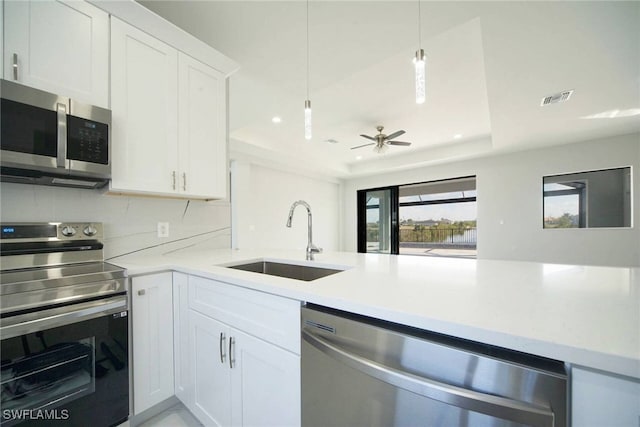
(276,119)
(358,157)
(457,136)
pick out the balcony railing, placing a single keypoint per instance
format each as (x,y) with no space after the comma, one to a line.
(448,237)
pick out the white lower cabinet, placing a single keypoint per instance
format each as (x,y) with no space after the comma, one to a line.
(238,378)
(152,327)
(182,364)
(599,399)
(211,372)
(265,383)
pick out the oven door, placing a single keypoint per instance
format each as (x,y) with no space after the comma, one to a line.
(66,366)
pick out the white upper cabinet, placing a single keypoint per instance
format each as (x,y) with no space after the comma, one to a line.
(144,103)
(169,119)
(58,46)
(202,129)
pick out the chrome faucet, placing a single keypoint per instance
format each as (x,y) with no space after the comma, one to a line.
(311,248)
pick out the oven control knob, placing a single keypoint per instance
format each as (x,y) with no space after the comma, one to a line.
(68,231)
(90,231)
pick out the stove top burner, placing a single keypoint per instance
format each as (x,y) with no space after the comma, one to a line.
(50,264)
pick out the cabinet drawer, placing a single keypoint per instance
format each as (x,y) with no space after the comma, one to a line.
(268,317)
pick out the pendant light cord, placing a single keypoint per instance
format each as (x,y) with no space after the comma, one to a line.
(419,26)
(307,49)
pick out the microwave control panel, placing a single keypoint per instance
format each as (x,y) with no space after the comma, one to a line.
(87,140)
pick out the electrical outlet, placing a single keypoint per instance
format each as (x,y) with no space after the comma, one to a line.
(163,229)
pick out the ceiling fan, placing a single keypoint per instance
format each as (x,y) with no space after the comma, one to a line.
(382,141)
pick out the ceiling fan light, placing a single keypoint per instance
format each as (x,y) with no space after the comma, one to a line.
(419,62)
(380,148)
(307,119)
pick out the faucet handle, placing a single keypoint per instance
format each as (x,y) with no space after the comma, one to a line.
(314,249)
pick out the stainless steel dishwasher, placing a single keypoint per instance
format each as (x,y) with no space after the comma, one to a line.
(358,371)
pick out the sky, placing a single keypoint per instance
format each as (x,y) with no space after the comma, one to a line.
(556,206)
(453,211)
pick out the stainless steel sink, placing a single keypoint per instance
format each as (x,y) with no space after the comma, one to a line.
(291,271)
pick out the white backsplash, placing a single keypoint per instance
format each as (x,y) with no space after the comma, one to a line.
(129,222)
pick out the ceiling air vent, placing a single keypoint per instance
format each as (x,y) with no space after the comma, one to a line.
(556,97)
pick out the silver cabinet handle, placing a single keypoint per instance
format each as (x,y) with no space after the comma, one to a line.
(15,66)
(141,292)
(61,159)
(184,181)
(232,348)
(223,338)
(173,175)
(508,409)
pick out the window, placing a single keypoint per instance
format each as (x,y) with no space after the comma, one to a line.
(588,199)
(564,205)
(435,218)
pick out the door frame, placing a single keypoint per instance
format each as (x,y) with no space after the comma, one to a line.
(362,218)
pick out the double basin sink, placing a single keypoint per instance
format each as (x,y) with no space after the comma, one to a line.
(291,271)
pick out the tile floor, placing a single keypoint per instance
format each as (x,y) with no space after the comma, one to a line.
(176,416)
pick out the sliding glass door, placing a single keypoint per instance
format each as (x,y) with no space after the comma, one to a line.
(436,218)
(377,218)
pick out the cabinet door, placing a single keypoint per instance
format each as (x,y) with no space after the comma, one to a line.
(202,129)
(265,383)
(144,103)
(60,47)
(152,346)
(183,383)
(210,370)
(599,399)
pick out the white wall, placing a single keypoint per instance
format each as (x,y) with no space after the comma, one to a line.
(261,199)
(129,222)
(509,190)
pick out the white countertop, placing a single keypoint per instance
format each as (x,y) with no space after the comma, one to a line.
(583,315)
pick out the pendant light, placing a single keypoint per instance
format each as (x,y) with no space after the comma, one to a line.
(419,62)
(307,102)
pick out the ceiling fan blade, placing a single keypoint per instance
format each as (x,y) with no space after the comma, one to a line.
(398,143)
(365,145)
(395,135)
(368,137)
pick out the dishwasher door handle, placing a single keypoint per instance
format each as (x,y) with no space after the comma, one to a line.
(501,407)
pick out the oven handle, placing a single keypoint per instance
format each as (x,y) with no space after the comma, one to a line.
(501,407)
(23,324)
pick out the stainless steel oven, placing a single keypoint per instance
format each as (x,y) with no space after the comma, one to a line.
(63,328)
(49,139)
(358,371)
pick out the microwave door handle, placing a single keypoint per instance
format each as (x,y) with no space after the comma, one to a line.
(61,159)
(15,66)
(501,407)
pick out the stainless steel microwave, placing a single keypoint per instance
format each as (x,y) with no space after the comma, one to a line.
(49,139)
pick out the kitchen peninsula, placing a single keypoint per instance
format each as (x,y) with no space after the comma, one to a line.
(585,316)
